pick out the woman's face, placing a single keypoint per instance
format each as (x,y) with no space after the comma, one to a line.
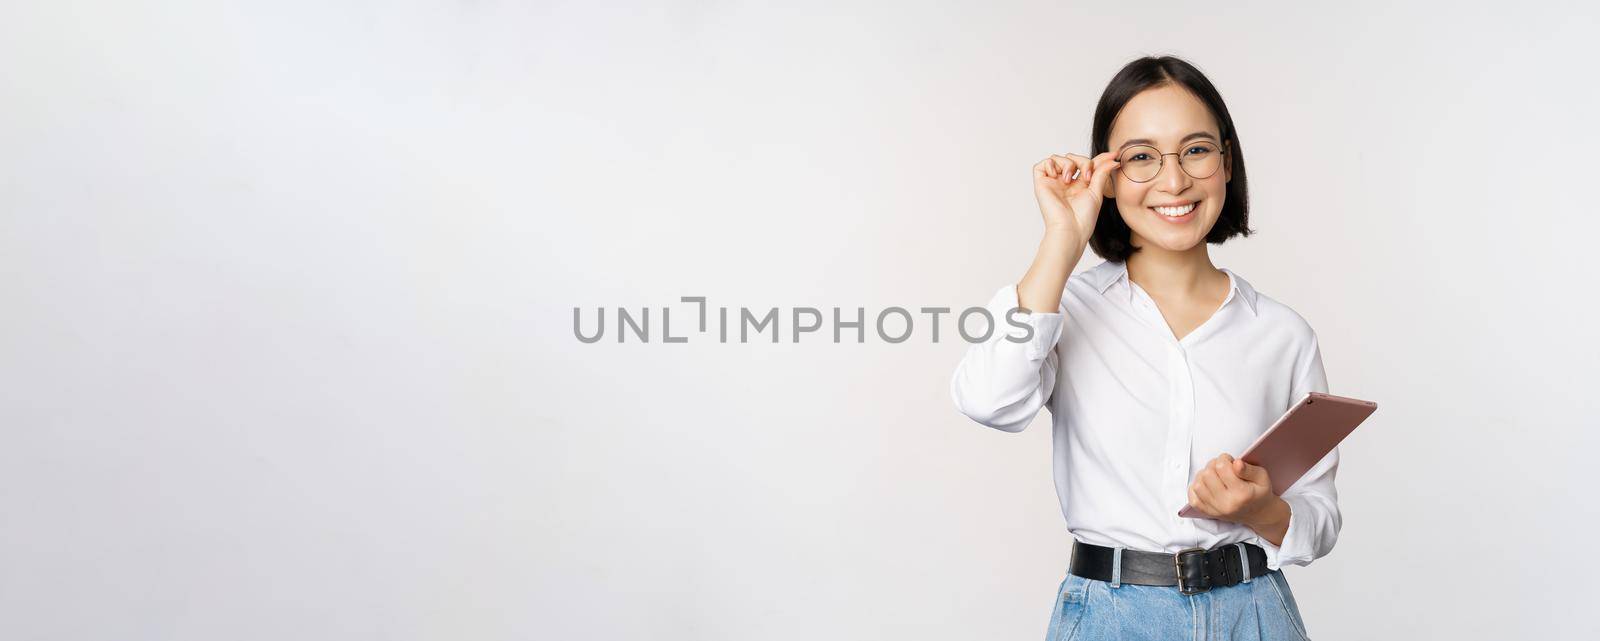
(1164,117)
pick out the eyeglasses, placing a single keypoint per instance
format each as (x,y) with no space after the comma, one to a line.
(1142,163)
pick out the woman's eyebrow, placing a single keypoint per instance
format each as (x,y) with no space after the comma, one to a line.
(1146,141)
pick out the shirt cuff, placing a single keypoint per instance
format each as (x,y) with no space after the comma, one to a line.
(1046,327)
(1296,548)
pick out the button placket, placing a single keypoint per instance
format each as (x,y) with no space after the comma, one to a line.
(1184,411)
(1179,425)
(1180,405)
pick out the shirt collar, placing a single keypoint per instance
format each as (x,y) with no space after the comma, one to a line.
(1108,274)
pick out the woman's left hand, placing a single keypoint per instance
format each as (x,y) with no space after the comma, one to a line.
(1229,489)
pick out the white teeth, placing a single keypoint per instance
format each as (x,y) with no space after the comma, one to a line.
(1174,211)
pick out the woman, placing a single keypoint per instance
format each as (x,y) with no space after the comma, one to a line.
(1155,365)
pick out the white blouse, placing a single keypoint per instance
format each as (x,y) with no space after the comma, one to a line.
(1136,412)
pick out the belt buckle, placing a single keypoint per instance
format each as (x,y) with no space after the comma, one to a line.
(1177,563)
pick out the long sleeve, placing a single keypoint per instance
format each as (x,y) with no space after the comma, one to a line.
(1002,383)
(1314,519)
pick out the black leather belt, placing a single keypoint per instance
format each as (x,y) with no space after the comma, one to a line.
(1194,570)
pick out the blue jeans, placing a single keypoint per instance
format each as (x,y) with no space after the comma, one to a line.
(1090,610)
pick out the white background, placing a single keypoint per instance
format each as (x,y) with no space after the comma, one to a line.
(286,348)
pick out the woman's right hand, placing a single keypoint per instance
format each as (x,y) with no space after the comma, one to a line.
(1069,189)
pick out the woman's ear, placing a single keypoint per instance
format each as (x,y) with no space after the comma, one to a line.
(1228,168)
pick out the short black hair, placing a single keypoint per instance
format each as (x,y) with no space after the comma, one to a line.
(1112,239)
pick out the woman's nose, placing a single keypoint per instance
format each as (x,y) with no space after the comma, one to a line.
(1172,178)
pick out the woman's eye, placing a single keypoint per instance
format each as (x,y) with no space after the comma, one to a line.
(1199,150)
(1138,156)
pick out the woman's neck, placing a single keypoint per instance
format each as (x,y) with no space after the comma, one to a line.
(1166,274)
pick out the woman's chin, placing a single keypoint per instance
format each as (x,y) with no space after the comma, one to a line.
(1172,242)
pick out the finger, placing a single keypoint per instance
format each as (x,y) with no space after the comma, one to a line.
(1214,483)
(1228,471)
(1062,166)
(1216,496)
(1223,472)
(1104,164)
(1207,499)
(1247,473)
(1083,167)
(1254,474)
(1200,501)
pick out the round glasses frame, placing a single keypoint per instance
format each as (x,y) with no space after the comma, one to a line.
(1222,150)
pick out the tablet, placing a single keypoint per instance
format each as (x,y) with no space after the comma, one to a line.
(1300,438)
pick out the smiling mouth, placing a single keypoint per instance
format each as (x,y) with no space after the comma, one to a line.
(1176,212)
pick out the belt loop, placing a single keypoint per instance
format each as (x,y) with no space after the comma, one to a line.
(1244,561)
(1116,567)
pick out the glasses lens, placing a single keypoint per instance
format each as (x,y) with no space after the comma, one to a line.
(1201,159)
(1140,163)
